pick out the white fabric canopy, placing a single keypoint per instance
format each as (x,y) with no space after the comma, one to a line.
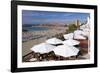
(71,42)
(43,48)
(79,32)
(79,37)
(68,36)
(54,41)
(66,51)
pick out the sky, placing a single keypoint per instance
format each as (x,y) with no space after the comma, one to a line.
(47,17)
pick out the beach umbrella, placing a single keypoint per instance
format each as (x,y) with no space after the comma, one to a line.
(82,32)
(54,41)
(79,37)
(79,32)
(71,42)
(66,51)
(43,48)
(68,36)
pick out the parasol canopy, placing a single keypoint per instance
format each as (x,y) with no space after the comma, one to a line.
(54,41)
(43,48)
(71,42)
(68,36)
(66,51)
(79,37)
(79,32)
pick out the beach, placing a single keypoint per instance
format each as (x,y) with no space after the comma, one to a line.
(37,37)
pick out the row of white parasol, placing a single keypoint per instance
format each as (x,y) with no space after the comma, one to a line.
(66,49)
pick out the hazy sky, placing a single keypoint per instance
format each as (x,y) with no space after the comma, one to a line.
(42,17)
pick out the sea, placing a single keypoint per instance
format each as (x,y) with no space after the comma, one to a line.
(36,28)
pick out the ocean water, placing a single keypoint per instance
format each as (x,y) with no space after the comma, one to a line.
(35,28)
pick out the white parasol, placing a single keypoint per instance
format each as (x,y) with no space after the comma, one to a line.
(68,36)
(79,37)
(43,48)
(54,41)
(71,42)
(79,32)
(66,51)
(84,32)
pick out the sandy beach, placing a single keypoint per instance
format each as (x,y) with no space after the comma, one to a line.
(39,37)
